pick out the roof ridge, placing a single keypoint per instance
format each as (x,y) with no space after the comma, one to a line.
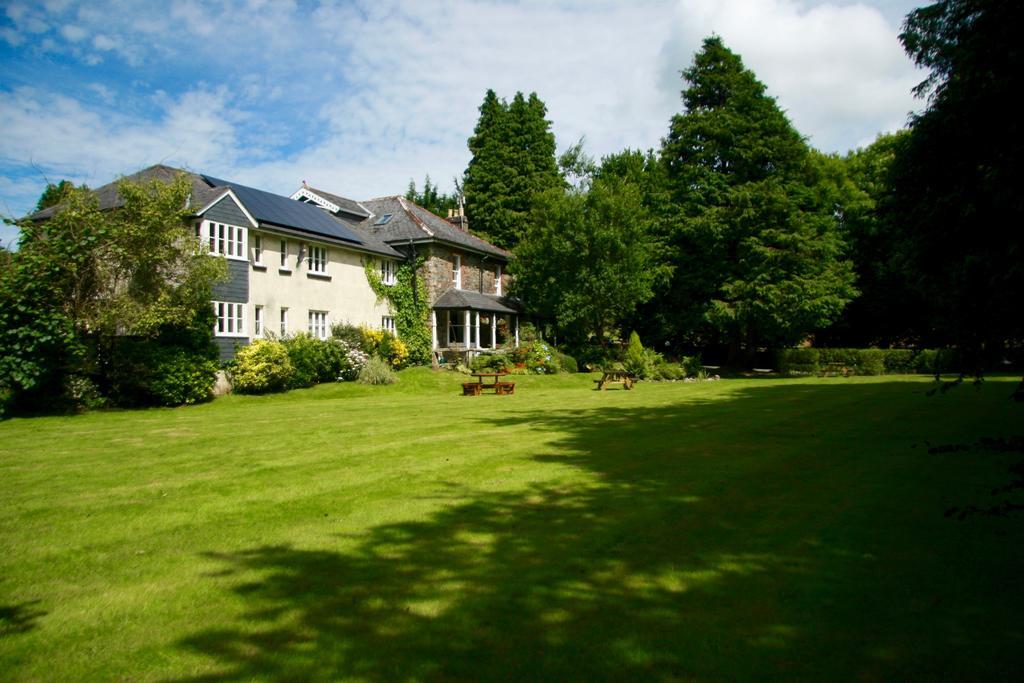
(415,219)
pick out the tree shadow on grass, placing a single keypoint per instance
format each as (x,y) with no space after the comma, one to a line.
(19,618)
(687,556)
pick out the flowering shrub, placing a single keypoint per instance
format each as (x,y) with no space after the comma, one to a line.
(261,367)
(354,358)
(540,359)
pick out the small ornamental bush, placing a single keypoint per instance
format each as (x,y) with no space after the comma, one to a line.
(638,360)
(540,359)
(262,367)
(691,366)
(567,362)
(353,360)
(669,371)
(393,350)
(347,332)
(492,362)
(372,339)
(377,371)
(182,377)
(311,360)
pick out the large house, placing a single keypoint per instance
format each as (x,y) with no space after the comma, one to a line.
(297,264)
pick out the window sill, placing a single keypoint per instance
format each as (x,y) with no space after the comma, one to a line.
(230,336)
(319,276)
(284,271)
(259,266)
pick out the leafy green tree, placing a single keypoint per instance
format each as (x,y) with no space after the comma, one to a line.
(889,310)
(759,254)
(657,318)
(588,259)
(957,179)
(86,282)
(513,160)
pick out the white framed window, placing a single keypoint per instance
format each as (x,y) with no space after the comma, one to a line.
(318,324)
(387,323)
(457,272)
(284,254)
(388,271)
(284,322)
(225,239)
(257,321)
(230,319)
(257,249)
(317,259)
(497,280)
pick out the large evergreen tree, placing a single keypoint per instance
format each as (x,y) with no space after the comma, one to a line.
(513,161)
(759,254)
(957,179)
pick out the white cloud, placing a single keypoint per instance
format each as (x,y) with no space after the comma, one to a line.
(360,96)
(73,33)
(65,139)
(839,71)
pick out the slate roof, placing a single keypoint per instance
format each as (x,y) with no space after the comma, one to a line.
(266,207)
(346,204)
(410,221)
(109,198)
(461,298)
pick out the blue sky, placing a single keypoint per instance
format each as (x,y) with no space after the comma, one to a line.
(359,97)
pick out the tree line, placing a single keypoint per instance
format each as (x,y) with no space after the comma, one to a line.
(736,235)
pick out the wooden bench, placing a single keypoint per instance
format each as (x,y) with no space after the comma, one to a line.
(498,387)
(626,379)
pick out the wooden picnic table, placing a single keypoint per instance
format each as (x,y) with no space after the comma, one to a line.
(497,386)
(626,379)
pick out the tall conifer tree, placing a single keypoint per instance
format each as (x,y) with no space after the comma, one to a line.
(760,259)
(513,161)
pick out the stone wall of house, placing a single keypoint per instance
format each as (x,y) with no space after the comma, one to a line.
(477,273)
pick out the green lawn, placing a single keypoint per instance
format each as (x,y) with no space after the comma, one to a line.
(742,529)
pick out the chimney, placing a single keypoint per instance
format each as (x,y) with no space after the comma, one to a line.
(457,217)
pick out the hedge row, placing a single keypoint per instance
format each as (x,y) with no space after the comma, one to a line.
(864,361)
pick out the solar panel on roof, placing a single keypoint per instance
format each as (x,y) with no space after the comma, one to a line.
(267,207)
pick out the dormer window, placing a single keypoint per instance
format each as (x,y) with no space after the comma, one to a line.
(457,272)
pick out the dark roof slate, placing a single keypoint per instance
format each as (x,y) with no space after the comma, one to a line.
(410,221)
(109,198)
(461,298)
(347,205)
